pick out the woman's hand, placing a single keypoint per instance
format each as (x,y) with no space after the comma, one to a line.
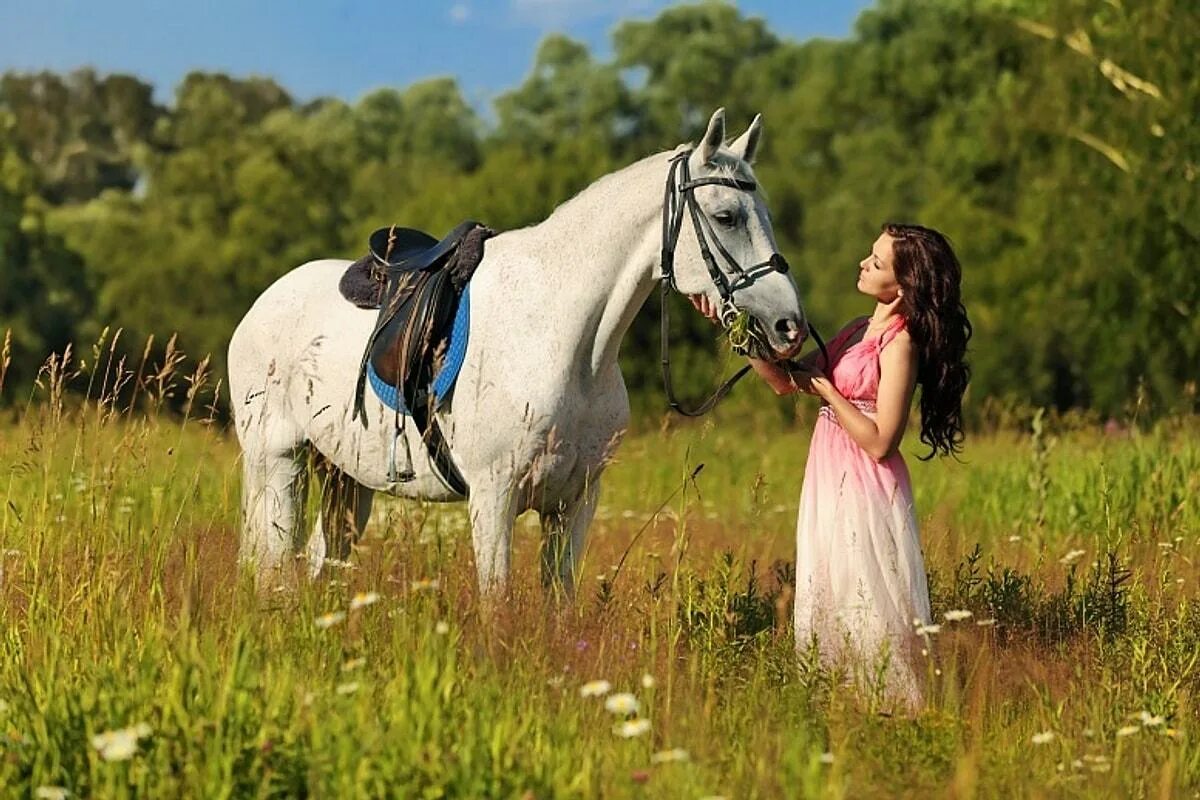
(700,301)
(807,377)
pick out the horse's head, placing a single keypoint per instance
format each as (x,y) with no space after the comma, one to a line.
(718,242)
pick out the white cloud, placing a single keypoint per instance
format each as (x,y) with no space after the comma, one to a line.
(460,13)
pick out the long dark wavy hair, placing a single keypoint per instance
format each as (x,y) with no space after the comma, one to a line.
(930,276)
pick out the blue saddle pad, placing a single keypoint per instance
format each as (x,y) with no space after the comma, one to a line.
(447,375)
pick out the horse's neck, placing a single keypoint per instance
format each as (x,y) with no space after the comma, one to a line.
(597,257)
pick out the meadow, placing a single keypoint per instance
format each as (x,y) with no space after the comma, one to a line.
(137,660)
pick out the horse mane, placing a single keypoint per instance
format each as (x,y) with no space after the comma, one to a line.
(728,165)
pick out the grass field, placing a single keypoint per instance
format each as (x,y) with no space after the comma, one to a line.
(124,613)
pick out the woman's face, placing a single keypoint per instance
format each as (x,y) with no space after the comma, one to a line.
(876,273)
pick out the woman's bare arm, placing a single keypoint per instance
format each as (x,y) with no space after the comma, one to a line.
(880,436)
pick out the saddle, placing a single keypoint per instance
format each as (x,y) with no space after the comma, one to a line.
(417,283)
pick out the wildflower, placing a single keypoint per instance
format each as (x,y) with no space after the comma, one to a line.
(1045,737)
(595,689)
(632,728)
(668,756)
(425,585)
(640,775)
(51,793)
(926,630)
(330,619)
(442,628)
(1014,538)
(648,681)
(826,758)
(622,703)
(1128,730)
(347,688)
(353,664)
(122,744)
(957,615)
(1150,720)
(363,599)
(555,681)
(1071,557)
(986,622)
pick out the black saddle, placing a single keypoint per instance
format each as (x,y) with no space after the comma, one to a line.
(411,249)
(415,281)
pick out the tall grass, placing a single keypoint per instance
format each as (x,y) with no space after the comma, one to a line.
(122,605)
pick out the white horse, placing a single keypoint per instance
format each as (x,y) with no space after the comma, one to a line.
(539,403)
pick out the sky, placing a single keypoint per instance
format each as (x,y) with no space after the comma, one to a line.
(342,48)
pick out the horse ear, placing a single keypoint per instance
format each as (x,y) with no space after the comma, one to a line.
(746,145)
(713,137)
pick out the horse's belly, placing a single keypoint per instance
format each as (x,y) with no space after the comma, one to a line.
(328,335)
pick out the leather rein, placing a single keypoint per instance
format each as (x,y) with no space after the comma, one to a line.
(680,194)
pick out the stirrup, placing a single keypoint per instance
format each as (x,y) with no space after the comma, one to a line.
(407,474)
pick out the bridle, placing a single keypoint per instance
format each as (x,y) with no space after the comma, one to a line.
(680,194)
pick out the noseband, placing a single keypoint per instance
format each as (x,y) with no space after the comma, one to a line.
(678,195)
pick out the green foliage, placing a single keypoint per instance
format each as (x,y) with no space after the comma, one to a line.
(1053,140)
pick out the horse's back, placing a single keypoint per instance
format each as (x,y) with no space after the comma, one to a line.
(300,307)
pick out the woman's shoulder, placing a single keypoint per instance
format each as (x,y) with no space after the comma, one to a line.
(898,340)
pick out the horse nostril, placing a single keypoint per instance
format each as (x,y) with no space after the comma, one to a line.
(791,330)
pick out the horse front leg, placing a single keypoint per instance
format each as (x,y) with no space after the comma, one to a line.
(493,511)
(564,534)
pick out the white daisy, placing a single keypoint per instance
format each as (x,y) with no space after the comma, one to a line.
(632,728)
(330,619)
(622,703)
(1071,557)
(363,599)
(595,689)
(121,744)
(667,756)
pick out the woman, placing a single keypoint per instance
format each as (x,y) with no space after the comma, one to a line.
(861,591)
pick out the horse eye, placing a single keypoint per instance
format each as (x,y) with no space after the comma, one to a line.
(726,218)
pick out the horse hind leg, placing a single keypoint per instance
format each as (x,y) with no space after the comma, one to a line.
(345,509)
(493,512)
(274,493)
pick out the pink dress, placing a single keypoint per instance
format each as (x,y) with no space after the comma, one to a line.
(860,576)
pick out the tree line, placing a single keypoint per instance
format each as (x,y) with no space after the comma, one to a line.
(1054,141)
